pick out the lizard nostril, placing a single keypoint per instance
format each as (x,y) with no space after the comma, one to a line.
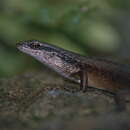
(18,44)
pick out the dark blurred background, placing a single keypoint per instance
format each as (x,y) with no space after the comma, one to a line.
(88,27)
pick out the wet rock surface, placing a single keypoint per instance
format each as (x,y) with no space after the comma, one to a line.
(41,101)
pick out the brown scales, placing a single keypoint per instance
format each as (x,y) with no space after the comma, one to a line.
(98,73)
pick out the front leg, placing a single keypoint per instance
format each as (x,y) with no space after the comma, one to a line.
(83,79)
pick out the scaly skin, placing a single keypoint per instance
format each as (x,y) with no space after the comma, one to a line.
(99,73)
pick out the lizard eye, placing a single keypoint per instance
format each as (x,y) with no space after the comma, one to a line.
(35,45)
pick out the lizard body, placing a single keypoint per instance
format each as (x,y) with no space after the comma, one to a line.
(88,71)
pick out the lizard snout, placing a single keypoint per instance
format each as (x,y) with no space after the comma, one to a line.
(21,44)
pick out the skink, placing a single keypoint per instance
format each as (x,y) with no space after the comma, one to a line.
(87,71)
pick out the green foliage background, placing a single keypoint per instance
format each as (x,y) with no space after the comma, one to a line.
(89,27)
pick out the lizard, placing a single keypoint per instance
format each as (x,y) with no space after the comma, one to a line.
(99,73)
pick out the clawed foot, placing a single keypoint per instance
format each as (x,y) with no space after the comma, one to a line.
(83,89)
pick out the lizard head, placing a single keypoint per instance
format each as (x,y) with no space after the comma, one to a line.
(55,57)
